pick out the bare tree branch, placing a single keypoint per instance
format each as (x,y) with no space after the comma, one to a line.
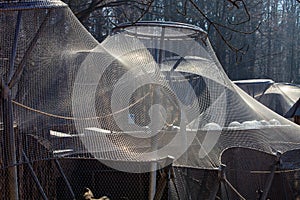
(247,15)
(96,5)
(185,8)
(144,11)
(142,7)
(100,4)
(235,3)
(238,31)
(215,26)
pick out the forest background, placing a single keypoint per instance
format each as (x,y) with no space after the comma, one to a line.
(252,38)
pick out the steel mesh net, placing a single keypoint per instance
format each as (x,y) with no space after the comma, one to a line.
(112,99)
(148,96)
(158,79)
(280,97)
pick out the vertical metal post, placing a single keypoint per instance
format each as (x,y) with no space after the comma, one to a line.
(14,47)
(60,169)
(155,114)
(220,178)
(170,175)
(35,178)
(271,177)
(154,145)
(10,159)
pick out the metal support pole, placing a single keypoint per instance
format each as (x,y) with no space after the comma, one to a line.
(271,177)
(60,169)
(155,122)
(268,184)
(152,188)
(9,156)
(154,147)
(164,181)
(221,177)
(35,177)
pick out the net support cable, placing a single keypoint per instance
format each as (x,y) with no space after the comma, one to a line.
(74,118)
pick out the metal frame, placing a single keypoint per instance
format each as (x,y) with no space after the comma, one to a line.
(195,31)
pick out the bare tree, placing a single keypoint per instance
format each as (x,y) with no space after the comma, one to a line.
(247,35)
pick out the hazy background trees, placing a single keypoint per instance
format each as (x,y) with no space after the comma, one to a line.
(252,38)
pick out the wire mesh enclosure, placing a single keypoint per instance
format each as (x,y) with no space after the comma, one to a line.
(149,113)
(279,97)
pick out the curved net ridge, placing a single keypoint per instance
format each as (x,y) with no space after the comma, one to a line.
(147,92)
(157,90)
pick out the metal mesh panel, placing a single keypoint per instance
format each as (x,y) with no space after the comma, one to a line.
(149,96)
(241,166)
(102,180)
(149,65)
(280,97)
(193,183)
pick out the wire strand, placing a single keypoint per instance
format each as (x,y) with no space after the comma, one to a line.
(74,118)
